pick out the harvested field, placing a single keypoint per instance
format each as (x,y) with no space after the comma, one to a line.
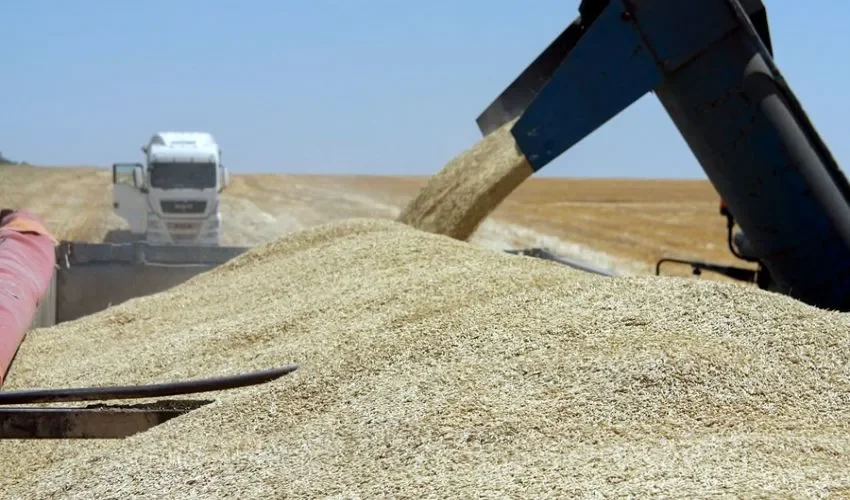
(74,202)
(430,367)
(621,224)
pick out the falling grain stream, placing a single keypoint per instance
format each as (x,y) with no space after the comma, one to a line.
(457,199)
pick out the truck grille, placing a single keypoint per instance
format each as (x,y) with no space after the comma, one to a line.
(183,238)
(183,206)
(182,232)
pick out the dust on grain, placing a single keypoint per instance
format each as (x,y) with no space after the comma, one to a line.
(457,199)
(429,367)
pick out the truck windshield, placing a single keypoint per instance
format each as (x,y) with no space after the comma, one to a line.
(183,175)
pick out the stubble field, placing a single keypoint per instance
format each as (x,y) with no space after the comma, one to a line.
(427,365)
(623,225)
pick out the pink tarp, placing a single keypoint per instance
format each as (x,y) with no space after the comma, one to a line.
(27,258)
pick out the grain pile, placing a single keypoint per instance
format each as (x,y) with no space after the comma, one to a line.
(457,199)
(432,367)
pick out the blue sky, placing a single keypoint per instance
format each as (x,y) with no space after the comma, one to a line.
(368,86)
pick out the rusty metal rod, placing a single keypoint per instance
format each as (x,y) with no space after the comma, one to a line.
(143,391)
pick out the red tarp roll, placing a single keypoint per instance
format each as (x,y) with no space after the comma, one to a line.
(27,258)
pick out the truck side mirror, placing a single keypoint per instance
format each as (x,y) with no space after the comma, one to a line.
(138,177)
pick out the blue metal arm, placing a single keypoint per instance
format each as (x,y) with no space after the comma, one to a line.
(709,63)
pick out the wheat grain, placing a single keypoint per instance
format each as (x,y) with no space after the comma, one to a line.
(457,199)
(430,367)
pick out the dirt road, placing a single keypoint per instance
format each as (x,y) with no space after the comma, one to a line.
(619,224)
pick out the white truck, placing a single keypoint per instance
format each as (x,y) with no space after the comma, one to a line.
(173,199)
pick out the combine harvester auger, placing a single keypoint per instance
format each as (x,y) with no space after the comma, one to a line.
(709,63)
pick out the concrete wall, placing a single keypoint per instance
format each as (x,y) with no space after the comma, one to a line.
(87,289)
(45,315)
(94,276)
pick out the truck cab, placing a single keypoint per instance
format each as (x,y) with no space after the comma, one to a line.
(173,198)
